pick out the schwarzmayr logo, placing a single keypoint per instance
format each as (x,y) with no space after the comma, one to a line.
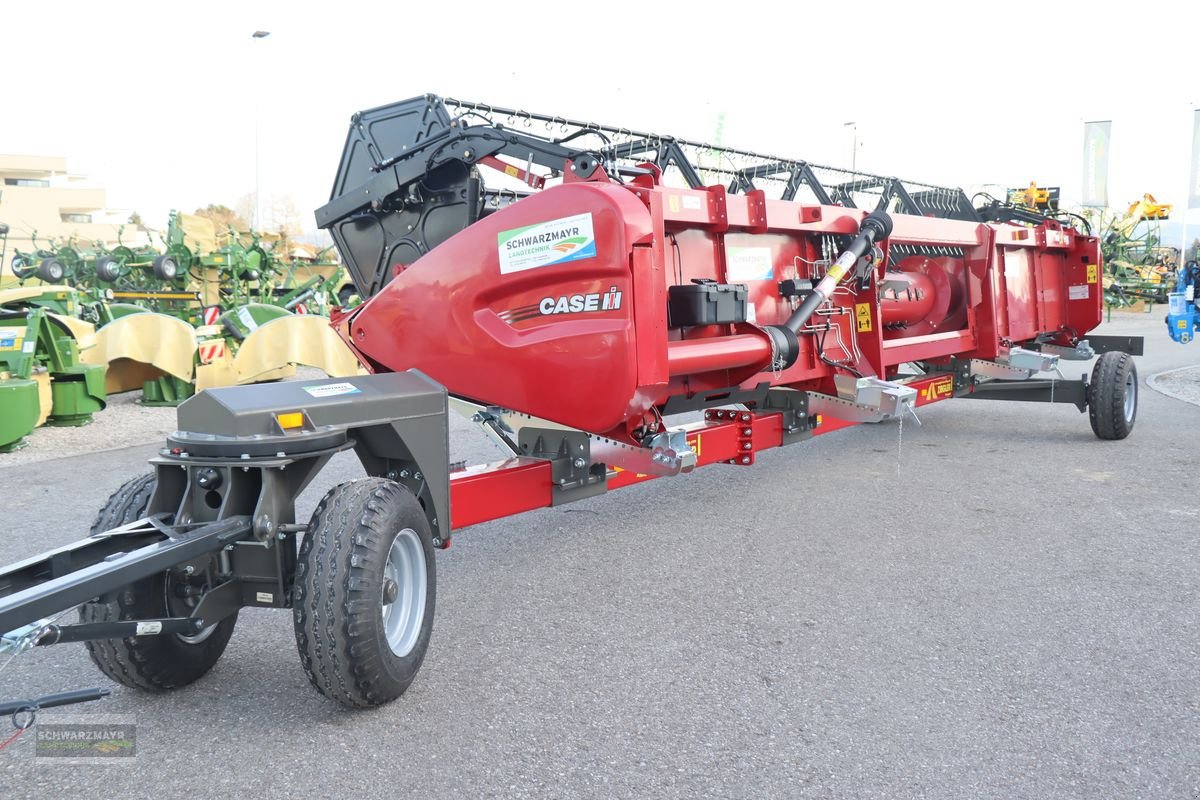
(556,241)
(549,236)
(88,742)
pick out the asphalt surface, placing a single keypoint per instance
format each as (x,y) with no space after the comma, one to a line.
(995,605)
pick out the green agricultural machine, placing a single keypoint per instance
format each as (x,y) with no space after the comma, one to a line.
(42,380)
(1137,267)
(204,311)
(44,263)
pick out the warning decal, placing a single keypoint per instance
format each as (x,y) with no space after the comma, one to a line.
(862,315)
(211,351)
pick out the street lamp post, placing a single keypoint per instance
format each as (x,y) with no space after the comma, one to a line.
(1193,185)
(854,146)
(257,161)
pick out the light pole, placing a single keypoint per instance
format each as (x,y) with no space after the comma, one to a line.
(854,146)
(257,162)
(1193,189)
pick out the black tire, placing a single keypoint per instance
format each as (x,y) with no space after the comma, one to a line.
(166,268)
(151,663)
(345,294)
(1112,396)
(338,601)
(22,269)
(51,270)
(108,269)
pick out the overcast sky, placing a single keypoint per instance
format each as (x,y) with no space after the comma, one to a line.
(155,99)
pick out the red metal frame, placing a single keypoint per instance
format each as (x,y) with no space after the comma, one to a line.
(727,436)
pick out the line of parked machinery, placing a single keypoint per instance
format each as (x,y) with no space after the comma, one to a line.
(207,308)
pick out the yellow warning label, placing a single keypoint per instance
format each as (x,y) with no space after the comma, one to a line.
(1182,325)
(673,203)
(696,445)
(1092,271)
(11,344)
(862,314)
(512,172)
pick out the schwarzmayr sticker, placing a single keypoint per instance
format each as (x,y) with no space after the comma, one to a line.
(545,244)
(331,389)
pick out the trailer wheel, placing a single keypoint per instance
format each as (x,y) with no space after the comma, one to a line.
(150,663)
(51,270)
(21,268)
(108,269)
(165,268)
(1112,396)
(364,593)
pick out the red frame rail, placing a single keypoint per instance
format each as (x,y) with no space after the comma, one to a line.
(486,492)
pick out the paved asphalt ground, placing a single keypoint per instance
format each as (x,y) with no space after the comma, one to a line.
(1002,607)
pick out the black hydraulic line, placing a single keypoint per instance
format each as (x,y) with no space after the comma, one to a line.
(876,227)
(52,701)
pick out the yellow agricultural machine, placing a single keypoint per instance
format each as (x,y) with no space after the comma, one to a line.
(1034,197)
(1137,267)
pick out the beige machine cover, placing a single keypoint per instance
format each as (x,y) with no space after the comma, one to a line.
(142,347)
(301,339)
(84,333)
(199,233)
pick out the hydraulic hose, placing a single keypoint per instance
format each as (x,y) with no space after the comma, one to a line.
(781,347)
(876,226)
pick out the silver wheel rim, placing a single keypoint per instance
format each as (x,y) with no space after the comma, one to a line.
(403,616)
(1131,390)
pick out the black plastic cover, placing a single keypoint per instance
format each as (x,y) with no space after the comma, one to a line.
(706,303)
(378,233)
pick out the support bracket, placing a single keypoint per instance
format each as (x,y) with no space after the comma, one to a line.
(798,424)
(574,474)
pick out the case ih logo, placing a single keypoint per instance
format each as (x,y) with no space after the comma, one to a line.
(566,304)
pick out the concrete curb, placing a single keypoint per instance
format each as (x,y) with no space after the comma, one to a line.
(1152,382)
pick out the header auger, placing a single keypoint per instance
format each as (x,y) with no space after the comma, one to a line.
(571,287)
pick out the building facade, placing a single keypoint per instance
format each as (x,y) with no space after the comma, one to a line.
(44,206)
